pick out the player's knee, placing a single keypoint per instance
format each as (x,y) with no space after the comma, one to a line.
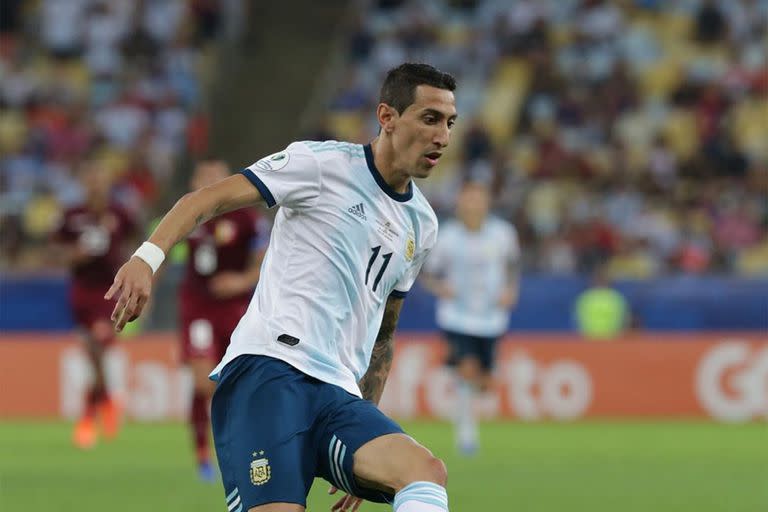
(485,381)
(438,471)
(426,468)
(469,369)
(101,332)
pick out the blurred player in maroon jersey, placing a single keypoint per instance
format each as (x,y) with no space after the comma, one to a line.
(222,271)
(93,237)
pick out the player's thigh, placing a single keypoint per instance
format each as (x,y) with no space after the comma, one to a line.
(485,350)
(355,451)
(460,346)
(346,423)
(393,461)
(92,313)
(469,367)
(261,430)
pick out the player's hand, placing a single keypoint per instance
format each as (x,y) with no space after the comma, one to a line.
(132,286)
(227,284)
(345,504)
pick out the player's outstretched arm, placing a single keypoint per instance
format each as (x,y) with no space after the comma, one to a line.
(133,282)
(372,383)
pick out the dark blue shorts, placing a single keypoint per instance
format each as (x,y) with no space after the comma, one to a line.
(276,429)
(464,345)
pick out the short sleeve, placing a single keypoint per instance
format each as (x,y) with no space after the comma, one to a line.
(404,284)
(437,260)
(289,178)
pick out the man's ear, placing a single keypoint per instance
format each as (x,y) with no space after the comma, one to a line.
(386,116)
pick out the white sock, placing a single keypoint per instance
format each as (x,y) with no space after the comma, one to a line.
(466,425)
(421,497)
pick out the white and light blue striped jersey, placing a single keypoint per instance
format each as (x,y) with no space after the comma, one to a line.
(342,242)
(476,265)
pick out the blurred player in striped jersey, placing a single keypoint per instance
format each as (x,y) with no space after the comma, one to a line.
(225,254)
(473,271)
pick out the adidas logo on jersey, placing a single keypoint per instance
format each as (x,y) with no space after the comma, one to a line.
(358,211)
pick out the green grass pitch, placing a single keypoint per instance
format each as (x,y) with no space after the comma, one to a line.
(580,467)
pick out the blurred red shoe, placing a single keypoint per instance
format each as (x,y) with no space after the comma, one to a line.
(85,435)
(111,413)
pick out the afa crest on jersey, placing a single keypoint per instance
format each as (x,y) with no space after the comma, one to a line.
(410,247)
(260,470)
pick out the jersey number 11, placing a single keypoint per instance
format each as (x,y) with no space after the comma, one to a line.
(386,257)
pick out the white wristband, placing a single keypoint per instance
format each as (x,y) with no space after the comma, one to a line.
(151,254)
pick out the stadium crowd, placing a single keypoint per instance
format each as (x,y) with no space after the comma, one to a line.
(118,81)
(631,133)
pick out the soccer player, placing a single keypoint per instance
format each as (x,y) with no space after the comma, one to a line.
(92,239)
(298,387)
(473,271)
(221,272)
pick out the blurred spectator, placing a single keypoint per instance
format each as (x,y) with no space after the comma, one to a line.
(115,80)
(477,142)
(710,23)
(610,131)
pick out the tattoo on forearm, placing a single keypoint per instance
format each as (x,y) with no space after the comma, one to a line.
(372,383)
(201,219)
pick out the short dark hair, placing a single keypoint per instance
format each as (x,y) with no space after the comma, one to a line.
(399,87)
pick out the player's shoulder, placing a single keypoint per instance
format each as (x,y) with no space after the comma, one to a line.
(502,230)
(329,149)
(499,224)
(332,146)
(451,231)
(330,156)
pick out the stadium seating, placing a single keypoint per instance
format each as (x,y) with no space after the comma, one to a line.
(627,106)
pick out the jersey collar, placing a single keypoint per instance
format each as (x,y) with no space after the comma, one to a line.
(397,196)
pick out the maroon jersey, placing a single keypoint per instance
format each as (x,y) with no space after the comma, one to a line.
(223,244)
(102,235)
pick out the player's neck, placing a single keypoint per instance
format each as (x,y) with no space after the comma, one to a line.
(384,159)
